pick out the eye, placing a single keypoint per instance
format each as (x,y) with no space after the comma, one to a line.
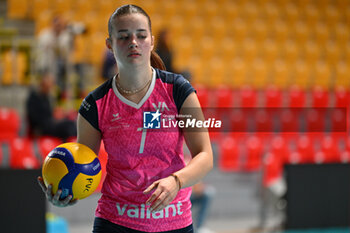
(142,36)
(123,37)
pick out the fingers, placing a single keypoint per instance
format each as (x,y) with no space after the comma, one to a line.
(151,187)
(49,193)
(165,192)
(67,200)
(47,190)
(56,197)
(153,197)
(161,202)
(42,184)
(72,202)
(62,203)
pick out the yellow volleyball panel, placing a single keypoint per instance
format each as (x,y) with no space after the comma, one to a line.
(53,171)
(85,185)
(81,153)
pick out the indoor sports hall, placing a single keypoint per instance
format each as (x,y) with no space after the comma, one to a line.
(275,72)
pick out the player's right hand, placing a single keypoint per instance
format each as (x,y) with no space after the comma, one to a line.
(55,198)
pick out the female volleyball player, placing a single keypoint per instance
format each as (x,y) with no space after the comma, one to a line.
(147,186)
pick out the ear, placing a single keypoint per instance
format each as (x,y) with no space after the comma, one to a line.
(152,42)
(109,44)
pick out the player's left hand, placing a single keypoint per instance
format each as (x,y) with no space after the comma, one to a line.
(165,190)
(55,198)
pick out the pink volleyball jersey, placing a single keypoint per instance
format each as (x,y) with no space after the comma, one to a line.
(137,155)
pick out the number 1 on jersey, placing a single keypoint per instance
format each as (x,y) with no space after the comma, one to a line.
(143,139)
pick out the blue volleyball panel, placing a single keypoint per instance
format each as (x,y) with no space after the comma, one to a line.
(65,155)
(66,183)
(90,169)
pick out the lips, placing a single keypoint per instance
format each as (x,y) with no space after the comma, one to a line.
(134,54)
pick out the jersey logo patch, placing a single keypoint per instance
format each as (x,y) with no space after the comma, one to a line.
(161,106)
(151,120)
(115,117)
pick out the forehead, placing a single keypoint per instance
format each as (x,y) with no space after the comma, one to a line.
(132,21)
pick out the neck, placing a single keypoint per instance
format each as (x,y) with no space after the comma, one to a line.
(135,78)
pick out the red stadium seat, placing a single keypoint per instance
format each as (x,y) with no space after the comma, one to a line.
(280,148)
(293,158)
(215,136)
(320,98)
(342,97)
(9,123)
(345,152)
(239,121)
(223,97)
(273,97)
(212,113)
(329,152)
(273,169)
(345,156)
(296,98)
(315,120)
(347,144)
(263,121)
(305,150)
(229,159)
(22,154)
(203,95)
(254,153)
(47,144)
(222,102)
(289,122)
(248,97)
(338,120)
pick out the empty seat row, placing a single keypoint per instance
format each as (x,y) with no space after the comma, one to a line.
(260,34)
(293,97)
(249,153)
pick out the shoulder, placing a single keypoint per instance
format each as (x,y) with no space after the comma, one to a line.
(91,99)
(101,90)
(169,77)
(181,87)
(88,108)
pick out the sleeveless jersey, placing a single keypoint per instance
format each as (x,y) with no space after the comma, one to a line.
(138,156)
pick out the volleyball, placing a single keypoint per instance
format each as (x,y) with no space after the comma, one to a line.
(74,168)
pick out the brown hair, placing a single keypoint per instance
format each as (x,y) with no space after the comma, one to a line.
(156,61)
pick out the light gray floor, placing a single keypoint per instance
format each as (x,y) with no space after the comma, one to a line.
(219,226)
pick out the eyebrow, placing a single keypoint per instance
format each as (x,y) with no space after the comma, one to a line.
(126,30)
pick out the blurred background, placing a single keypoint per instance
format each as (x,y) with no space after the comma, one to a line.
(261,54)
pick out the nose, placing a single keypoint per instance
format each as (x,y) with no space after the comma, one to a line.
(131,46)
(133,42)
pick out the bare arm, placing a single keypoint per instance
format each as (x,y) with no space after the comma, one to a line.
(88,135)
(198,142)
